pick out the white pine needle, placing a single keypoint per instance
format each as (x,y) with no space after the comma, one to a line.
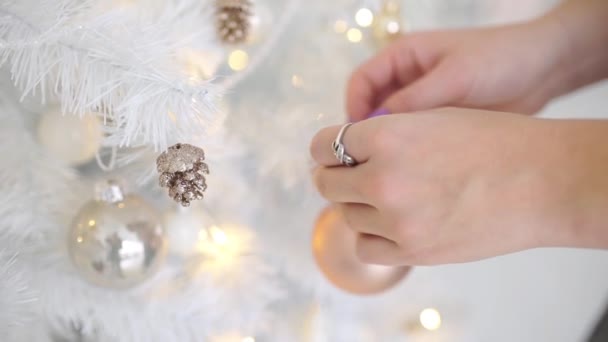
(113,61)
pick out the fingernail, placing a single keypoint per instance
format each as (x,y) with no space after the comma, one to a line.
(378,112)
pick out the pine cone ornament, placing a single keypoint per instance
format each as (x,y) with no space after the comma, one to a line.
(234,20)
(183,171)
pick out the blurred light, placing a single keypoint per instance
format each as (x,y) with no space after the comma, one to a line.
(297,81)
(354,35)
(340,26)
(79,239)
(391,6)
(364,17)
(392,27)
(218,236)
(91,223)
(238,60)
(121,205)
(172,116)
(249,339)
(430,319)
(202,235)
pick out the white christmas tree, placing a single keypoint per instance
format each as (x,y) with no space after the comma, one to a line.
(93,249)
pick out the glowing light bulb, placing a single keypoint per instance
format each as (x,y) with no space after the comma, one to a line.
(430,319)
(354,35)
(238,60)
(340,26)
(218,236)
(364,17)
(392,27)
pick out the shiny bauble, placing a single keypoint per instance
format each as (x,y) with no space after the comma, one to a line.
(72,139)
(334,249)
(117,241)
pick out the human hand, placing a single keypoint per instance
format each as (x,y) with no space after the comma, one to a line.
(516,68)
(455,185)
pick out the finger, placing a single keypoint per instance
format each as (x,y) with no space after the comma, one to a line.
(372,249)
(446,85)
(393,68)
(353,139)
(339,184)
(364,218)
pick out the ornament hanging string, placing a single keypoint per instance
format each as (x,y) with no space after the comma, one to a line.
(111,162)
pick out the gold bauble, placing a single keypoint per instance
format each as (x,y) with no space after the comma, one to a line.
(334,245)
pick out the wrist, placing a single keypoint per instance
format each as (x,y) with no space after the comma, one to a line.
(577,34)
(576,163)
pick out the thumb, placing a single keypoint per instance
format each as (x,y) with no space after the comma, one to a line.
(445,85)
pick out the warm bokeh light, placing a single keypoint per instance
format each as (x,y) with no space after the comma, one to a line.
(354,35)
(340,26)
(91,223)
(238,60)
(297,81)
(223,247)
(392,27)
(430,319)
(172,116)
(218,236)
(364,17)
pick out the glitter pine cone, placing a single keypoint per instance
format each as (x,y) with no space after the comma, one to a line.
(183,171)
(233,20)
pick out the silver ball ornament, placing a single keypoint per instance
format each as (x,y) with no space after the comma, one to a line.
(72,139)
(117,241)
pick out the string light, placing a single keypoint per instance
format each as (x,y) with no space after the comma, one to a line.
(218,236)
(392,27)
(354,35)
(364,17)
(238,60)
(430,319)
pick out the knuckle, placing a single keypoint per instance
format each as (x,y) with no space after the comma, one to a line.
(380,188)
(320,182)
(314,146)
(318,146)
(348,217)
(382,140)
(407,232)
